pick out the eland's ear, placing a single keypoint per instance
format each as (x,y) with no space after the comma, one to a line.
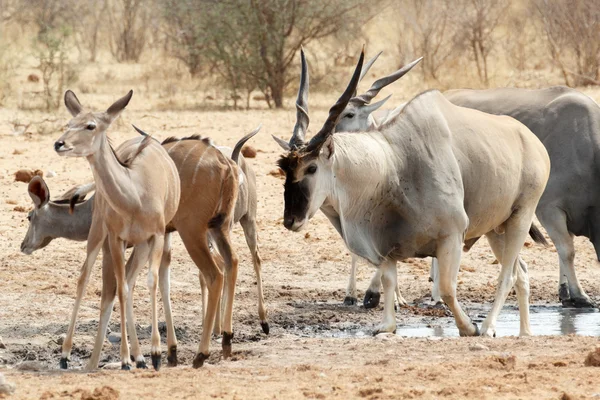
(115,110)
(328,148)
(282,143)
(38,191)
(72,103)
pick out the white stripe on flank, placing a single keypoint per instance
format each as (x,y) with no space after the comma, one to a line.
(197,167)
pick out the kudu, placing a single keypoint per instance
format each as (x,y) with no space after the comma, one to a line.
(568,124)
(54,219)
(419,186)
(134,202)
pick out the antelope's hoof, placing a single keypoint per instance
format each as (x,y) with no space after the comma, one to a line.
(141,365)
(350,301)
(563,293)
(64,363)
(172,357)
(125,367)
(578,302)
(265,327)
(371,299)
(156,361)
(199,360)
(227,338)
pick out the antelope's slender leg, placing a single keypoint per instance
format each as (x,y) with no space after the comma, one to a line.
(156,251)
(164,283)
(249,227)
(134,265)
(107,300)
(198,250)
(95,240)
(117,252)
(223,242)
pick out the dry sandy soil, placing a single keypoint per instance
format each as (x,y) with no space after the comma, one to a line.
(306,354)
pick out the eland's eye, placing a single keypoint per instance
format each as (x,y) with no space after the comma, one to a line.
(90,127)
(349,116)
(311,170)
(28,217)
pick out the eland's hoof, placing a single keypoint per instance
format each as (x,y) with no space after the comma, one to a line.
(265,327)
(125,367)
(172,356)
(141,364)
(64,363)
(466,334)
(156,361)
(199,360)
(371,299)
(384,328)
(350,301)
(579,302)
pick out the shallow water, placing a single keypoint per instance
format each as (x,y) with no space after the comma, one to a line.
(545,320)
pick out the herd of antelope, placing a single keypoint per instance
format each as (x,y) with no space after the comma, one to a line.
(425,179)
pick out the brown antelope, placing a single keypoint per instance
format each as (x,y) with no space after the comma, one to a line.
(195,159)
(134,202)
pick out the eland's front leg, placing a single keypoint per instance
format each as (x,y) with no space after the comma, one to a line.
(389,277)
(350,298)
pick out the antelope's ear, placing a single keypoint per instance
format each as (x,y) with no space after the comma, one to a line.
(328,148)
(72,103)
(115,110)
(282,143)
(38,191)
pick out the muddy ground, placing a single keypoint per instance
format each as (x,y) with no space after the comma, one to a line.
(317,347)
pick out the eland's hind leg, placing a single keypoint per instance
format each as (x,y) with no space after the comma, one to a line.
(518,277)
(517,229)
(448,254)
(570,291)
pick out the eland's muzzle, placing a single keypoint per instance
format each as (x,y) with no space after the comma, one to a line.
(59,145)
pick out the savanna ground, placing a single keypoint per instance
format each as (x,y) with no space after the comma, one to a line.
(306,354)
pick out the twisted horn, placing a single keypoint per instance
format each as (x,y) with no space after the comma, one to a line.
(367,67)
(302,120)
(334,112)
(379,84)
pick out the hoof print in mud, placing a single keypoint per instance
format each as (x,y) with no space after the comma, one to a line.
(265,327)
(371,299)
(199,360)
(172,357)
(350,301)
(156,361)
